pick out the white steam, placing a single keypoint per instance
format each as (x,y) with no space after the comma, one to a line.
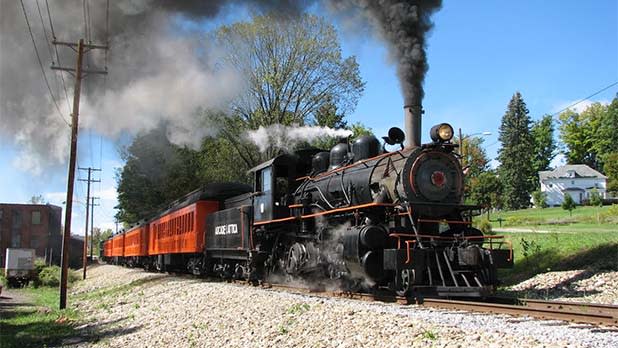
(285,137)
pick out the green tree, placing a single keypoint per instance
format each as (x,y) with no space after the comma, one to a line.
(606,140)
(516,156)
(580,134)
(611,171)
(568,203)
(474,161)
(486,190)
(295,73)
(544,143)
(539,198)
(156,173)
(473,156)
(97,236)
(595,198)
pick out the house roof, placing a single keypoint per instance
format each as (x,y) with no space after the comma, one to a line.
(581,171)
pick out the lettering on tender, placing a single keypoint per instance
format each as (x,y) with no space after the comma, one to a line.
(223,230)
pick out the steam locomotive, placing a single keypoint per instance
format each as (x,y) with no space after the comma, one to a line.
(358,215)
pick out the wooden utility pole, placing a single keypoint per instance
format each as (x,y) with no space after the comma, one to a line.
(92,205)
(89,180)
(66,237)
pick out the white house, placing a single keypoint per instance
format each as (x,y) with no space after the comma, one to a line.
(578,180)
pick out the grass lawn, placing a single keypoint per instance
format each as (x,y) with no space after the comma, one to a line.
(542,252)
(37,325)
(583,219)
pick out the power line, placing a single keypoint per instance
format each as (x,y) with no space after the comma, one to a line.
(583,100)
(51,54)
(41,64)
(51,26)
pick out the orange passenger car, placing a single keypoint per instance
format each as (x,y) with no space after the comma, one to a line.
(136,241)
(107,248)
(118,246)
(181,231)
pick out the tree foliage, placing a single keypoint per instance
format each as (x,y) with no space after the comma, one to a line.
(580,134)
(156,172)
(590,137)
(539,198)
(98,236)
(486,190)
(295,74)
(611,171)
(595,198)
(568,203)
(544,143)
(516,155)
(474,161)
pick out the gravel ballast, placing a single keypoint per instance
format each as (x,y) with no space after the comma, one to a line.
(132,308)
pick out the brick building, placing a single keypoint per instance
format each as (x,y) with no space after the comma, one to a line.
(36,226)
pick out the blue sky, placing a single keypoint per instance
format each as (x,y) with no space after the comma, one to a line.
(480,53)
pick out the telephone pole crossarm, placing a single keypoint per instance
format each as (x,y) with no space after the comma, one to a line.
(74,45)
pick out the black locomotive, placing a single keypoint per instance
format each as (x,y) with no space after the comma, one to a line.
(362,216)
(357,215)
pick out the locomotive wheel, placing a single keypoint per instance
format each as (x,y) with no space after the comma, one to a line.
(297,256)
(406,280)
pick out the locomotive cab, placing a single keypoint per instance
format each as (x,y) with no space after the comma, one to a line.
(272,182)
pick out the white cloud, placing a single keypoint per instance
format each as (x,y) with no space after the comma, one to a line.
(109,194)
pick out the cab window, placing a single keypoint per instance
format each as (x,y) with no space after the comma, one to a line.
(266,179)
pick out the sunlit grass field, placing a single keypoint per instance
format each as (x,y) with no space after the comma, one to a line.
(556,219)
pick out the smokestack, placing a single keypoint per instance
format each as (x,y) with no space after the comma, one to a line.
(412,120)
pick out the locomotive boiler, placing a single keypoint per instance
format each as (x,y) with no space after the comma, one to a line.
(360,215)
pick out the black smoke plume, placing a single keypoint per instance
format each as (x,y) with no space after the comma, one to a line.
(404,26)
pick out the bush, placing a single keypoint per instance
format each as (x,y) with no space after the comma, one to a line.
(595,198)
(568,203)
(50,276)
(485,226)
(540,199)
(610,214)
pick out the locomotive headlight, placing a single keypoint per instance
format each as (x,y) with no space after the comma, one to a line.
(441,132)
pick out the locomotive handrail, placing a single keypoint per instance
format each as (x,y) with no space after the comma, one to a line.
(338,210)
(446,221)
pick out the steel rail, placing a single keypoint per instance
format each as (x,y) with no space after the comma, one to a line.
(586,313)
(576,312)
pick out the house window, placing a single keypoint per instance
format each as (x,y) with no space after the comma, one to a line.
(16,230)
(34,242)
(36,217)
(572,182)
(551,185)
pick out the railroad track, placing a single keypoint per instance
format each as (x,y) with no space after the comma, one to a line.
(575,312)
